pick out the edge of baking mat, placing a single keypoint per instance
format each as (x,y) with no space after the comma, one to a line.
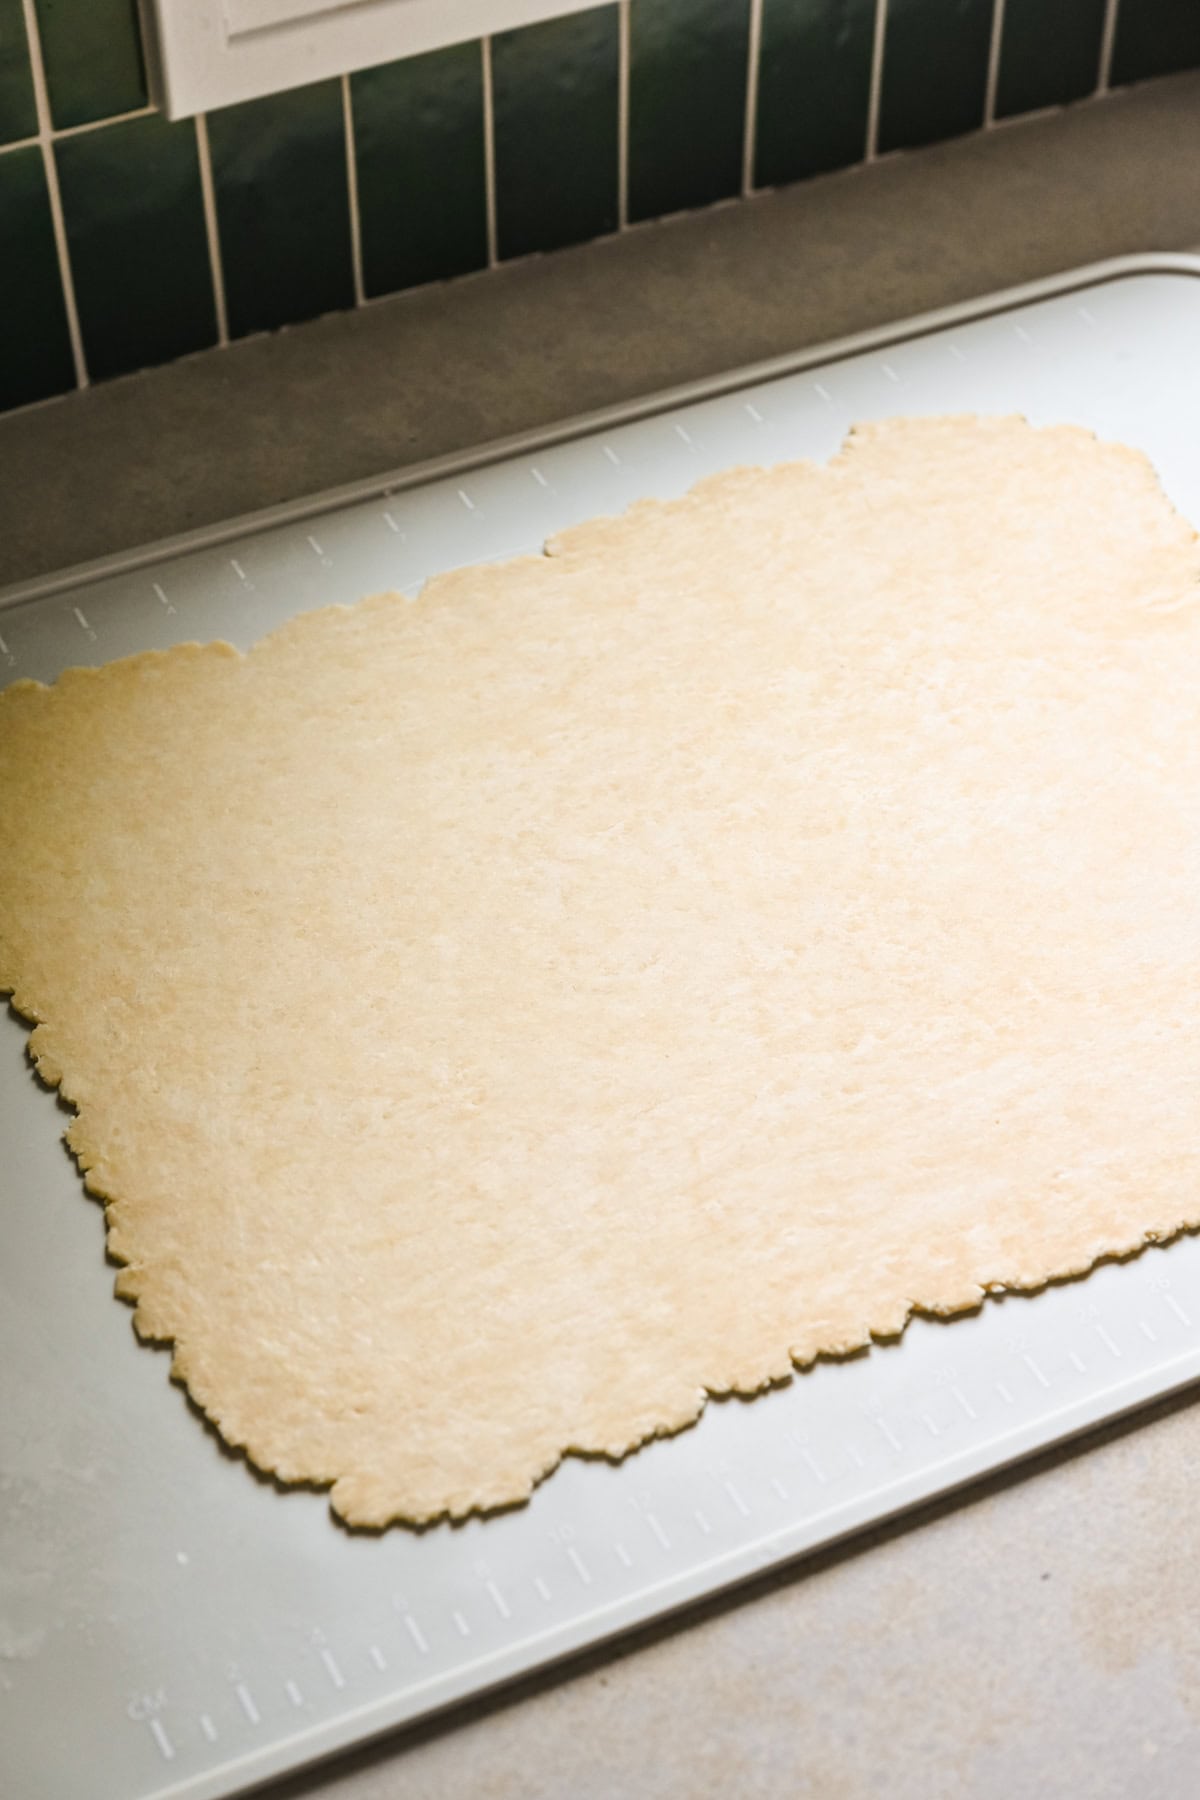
(768,1554)
(706,387)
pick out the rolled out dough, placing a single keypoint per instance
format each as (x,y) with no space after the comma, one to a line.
(496,1022)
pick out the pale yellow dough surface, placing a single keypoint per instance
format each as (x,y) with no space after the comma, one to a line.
(499,1020)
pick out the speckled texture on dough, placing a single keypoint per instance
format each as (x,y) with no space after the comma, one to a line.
(499,1020)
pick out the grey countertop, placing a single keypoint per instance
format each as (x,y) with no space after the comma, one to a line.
(1040,1634)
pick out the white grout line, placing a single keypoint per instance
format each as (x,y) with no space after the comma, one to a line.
(70,131)
(1108,38)
(41,96)
(753,59)
(65,275)
(993,70)
(209,196)
(489,153)
(876,90)
(352,192)
(622,115)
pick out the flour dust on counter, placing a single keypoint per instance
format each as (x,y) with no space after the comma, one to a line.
(499,1020)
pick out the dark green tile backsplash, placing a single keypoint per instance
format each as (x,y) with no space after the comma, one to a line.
(422,177)
(1156,37)
(687,103)
(93,57)
(1050,54)
(18,109)
(814,87)
(283,207)
(555,89)
(35,349)
(174,237)
(135,232)
(935,70)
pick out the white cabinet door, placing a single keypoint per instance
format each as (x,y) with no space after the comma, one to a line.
(207,53)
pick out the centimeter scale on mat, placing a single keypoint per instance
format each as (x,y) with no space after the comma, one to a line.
(173,1624)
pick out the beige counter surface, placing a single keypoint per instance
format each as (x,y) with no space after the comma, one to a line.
(1040,1634)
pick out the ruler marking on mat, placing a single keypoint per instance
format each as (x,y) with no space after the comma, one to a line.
(814,1468)
(736,1498)
(655,1525)
(580,1567)
(497,1599)
(158,1732)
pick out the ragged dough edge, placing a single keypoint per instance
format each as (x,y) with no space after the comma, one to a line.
(355,1508)
(134,1283)
(559,546)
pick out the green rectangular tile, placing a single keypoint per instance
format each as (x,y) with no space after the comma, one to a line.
(35,351)
(283,211)
(935,64)
(92,53)
(1048,54)
(419,151)
(687,103)
(135,228)
(814,84)
(18,113)
(554,95)
(1155,37)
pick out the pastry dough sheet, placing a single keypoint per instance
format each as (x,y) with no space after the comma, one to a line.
(498,1020)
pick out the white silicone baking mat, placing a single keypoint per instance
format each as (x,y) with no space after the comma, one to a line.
(173,1625)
